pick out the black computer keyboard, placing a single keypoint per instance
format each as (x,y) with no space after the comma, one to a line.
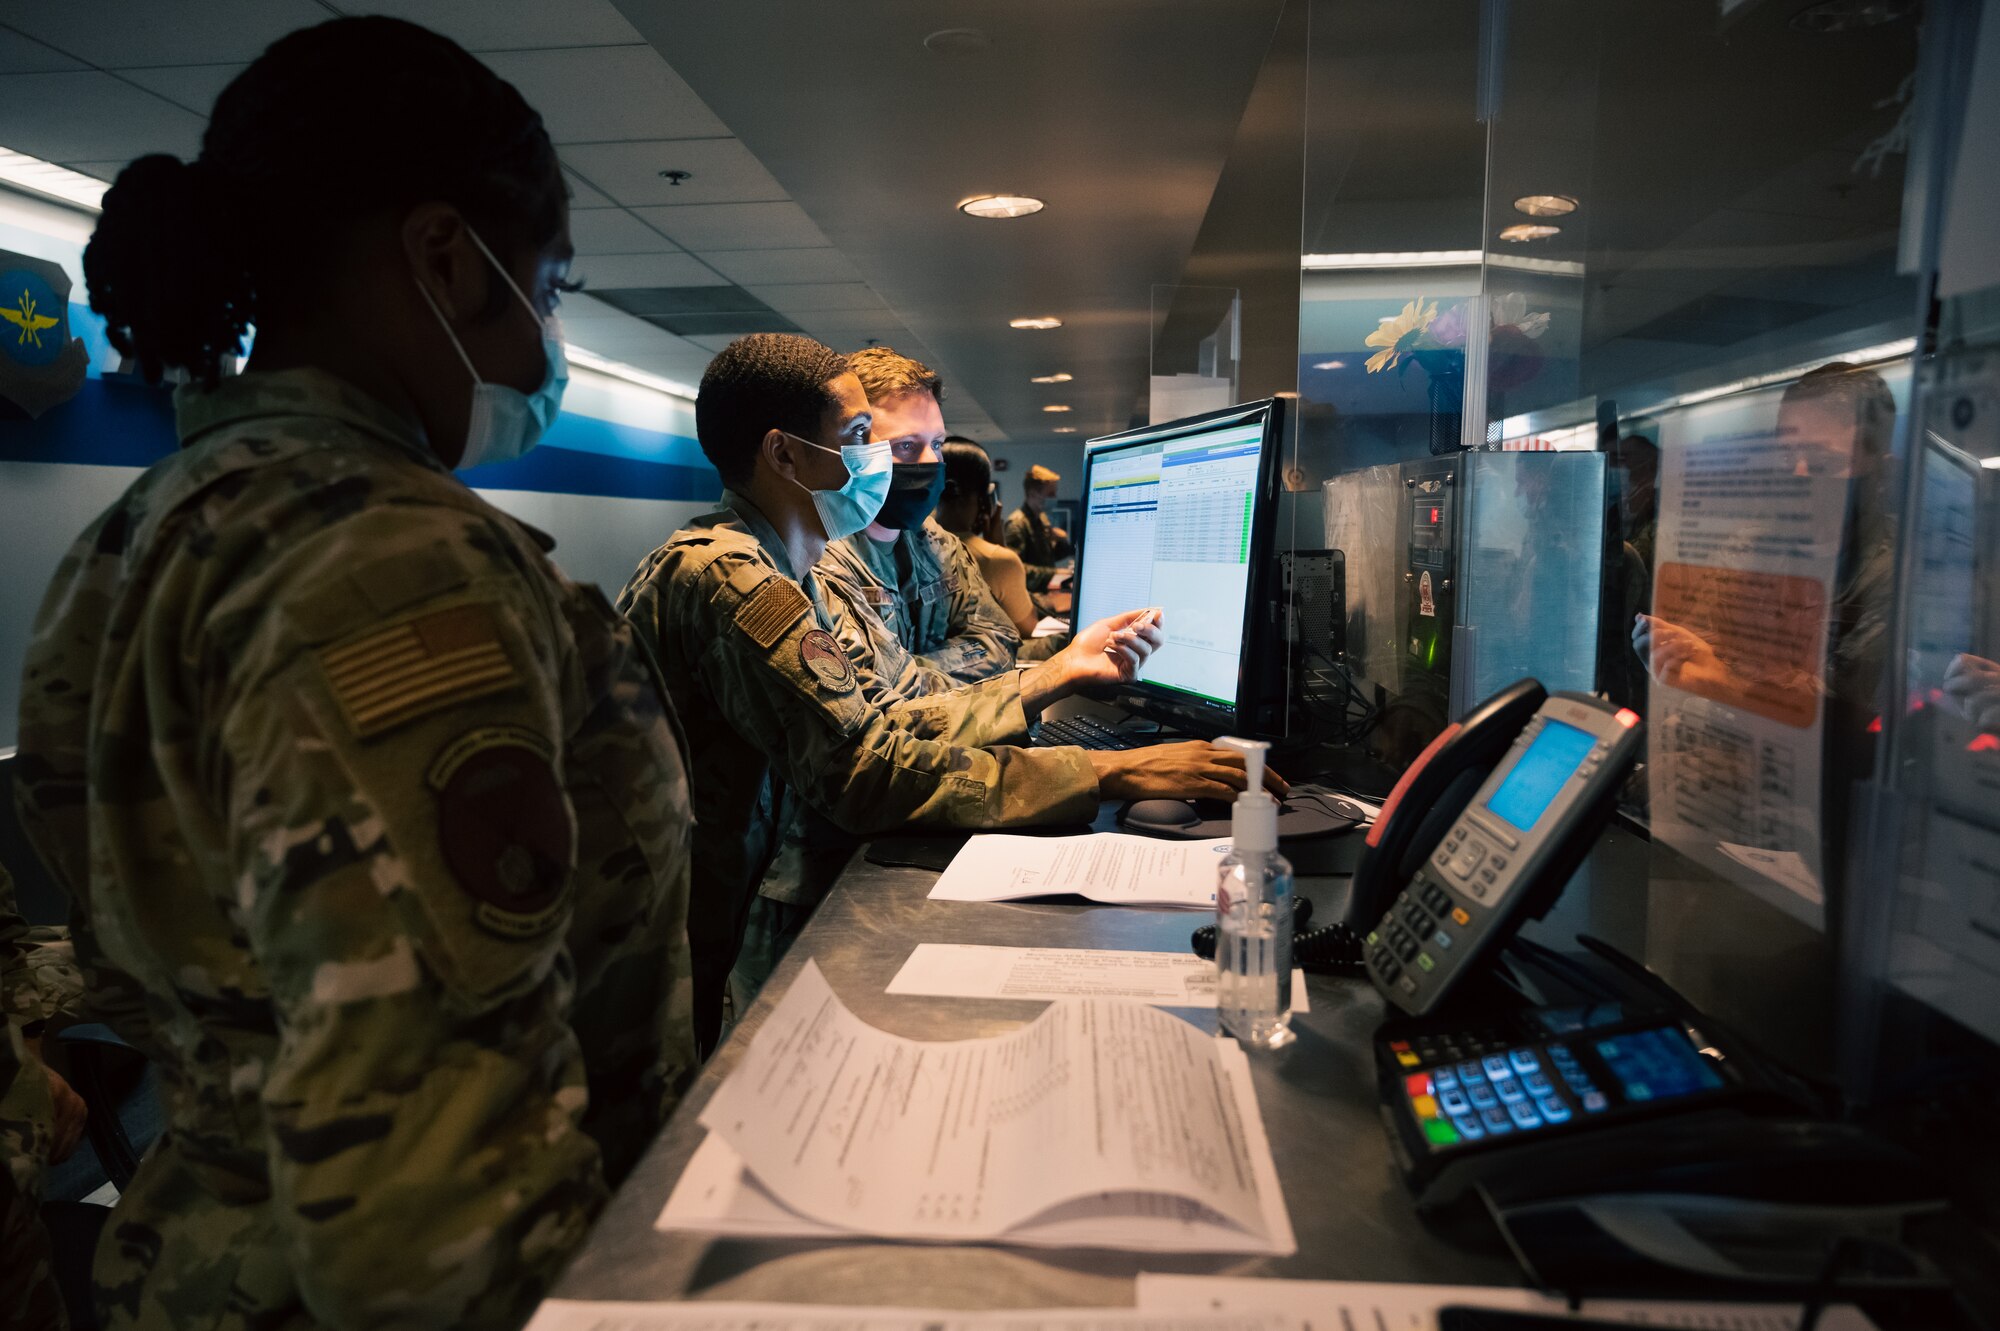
(1084,732)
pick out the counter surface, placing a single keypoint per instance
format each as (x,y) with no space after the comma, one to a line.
(1353,1219)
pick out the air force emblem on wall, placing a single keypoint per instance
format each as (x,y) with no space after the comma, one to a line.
(41,365)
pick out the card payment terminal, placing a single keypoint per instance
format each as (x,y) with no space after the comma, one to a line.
(1509,853)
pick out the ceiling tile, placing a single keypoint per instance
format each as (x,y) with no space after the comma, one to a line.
(723,171)
(644,270)
(604,93)
(194,87)
(791,265)
(716,343)
(115,34)
(737,226)
(91,117)
(25,55)
(808,297)
(510,25)
(614,231)
(582,194)
(652,302)
(734,324)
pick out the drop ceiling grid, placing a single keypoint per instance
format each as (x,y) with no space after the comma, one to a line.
(91,91)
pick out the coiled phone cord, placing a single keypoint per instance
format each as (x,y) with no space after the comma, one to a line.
(1332,950)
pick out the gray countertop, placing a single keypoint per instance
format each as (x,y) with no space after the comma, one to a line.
(1353,1219)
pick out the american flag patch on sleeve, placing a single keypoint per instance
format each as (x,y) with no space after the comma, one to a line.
(419,666)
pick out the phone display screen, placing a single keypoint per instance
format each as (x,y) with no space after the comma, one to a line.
(1551,760)
(1656,1065)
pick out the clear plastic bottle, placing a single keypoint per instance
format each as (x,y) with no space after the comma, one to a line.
(1253,916)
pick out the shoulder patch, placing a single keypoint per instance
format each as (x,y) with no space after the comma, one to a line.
(433,661)
(829,665)
(767,612)
(504,828)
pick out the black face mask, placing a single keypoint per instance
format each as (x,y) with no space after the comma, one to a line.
(914,491)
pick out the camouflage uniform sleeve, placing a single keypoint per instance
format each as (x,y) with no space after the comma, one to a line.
(786,686)
(39,978)
(29,1297)
(403,852)
(889,671)
(1019,535)
(910,693)
(983,639)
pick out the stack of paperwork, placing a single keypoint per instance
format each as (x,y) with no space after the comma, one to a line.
(1112,867)
(1102,1123)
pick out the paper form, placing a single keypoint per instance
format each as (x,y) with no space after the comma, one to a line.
(1098,1110)
(1344,1305)
(1164,979)
(1749,543)
(1112,867)
(578,1315)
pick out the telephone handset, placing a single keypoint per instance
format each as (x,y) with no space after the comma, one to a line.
(1484,831)
(1431,794)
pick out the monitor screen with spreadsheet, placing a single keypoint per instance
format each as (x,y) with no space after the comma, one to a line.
(1178,516)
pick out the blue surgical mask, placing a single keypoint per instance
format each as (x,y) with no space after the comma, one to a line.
(504,423)
(854,505)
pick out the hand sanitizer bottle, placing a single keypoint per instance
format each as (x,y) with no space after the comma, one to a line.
(1253,916)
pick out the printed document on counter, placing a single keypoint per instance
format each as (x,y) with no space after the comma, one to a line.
(1103,1122)
(1113,867)
(967,970)
(1336,1305)
(579,1315)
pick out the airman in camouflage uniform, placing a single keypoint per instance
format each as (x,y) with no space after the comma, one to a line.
(928,592)
(773,705)
(378,832)
(39,981)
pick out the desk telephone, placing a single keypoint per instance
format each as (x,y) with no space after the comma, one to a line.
(1482,832)
(1545,1112)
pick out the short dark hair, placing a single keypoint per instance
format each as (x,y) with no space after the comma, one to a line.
(327,126)
(967,468)
(766,381)
(885,372)
(1854,389)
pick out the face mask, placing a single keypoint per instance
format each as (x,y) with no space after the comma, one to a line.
(504,423)
(854,505)
(914,491)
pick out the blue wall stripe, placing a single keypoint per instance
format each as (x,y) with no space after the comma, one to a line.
(109,423)
(123,423)
(588,434)
(556,470)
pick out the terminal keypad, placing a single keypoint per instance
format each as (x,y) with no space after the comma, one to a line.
(1494,1089)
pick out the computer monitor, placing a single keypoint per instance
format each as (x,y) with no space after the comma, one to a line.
(1180,516)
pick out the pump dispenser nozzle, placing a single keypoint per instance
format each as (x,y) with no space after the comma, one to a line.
(1253,822)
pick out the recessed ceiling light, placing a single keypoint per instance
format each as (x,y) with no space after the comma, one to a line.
(1331,365)
(1064,429)
(1546,205)
(1000,205)
(1050,379)
(1039,321)
(1055,406)
(1522,232)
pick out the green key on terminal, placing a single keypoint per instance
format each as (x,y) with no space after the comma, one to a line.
(1440,1132)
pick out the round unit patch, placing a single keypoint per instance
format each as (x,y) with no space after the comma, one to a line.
(504,829)
(829,665)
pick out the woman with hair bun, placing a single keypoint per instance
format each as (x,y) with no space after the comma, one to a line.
(376,825)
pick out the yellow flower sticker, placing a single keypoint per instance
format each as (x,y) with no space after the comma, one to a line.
(1398,336)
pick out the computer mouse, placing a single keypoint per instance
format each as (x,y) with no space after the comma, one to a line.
(1162,813)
